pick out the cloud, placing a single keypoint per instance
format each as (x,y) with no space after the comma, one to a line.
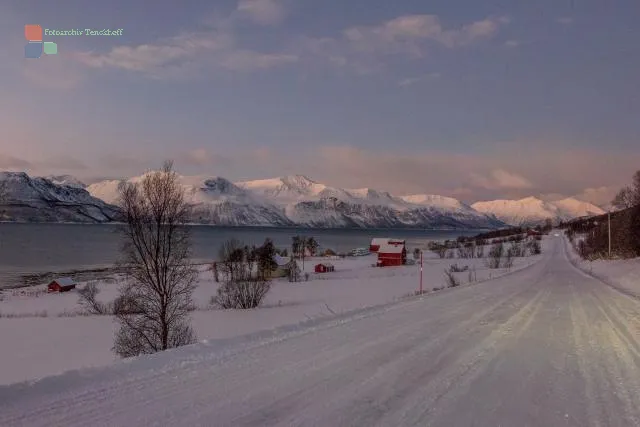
(361,49)
(12,163)
(183,55)
(120,162)
(407,34)
(565,21)
(515,170)
(500,179)
(512,43)
(247,60)
(409,81)
(156,57)
(189,54)
(413,80)
(365,49)
(202,157)
(551,197)
(57,163)
(264,12)
(601,196)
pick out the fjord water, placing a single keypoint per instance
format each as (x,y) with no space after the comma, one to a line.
(43,248)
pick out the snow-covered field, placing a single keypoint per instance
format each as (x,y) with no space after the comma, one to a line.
(623,274)
(45,334)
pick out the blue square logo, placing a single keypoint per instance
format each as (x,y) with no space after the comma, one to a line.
(33,50)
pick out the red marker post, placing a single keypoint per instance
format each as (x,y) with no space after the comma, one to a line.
(420,272)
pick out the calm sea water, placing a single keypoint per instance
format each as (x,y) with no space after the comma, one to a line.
(27,249)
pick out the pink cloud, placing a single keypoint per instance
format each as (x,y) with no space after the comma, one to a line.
(265,12)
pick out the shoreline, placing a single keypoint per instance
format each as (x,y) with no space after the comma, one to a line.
(28,276)
(80,275)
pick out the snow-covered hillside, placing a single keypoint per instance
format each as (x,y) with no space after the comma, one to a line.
(310,203)
(214,200)
(29,199)
(574,208)
(532,210)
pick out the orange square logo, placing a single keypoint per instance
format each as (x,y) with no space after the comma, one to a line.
(33,33)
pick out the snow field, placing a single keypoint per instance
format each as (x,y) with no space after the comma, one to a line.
(46,334)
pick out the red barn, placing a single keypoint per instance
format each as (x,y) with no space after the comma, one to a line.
(63,284)
(392,254)
(324,268)
(379,241)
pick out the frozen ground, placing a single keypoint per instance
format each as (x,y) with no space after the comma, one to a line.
(545,346)
(47,334)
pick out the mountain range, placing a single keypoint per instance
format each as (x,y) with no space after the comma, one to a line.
(27,199)
(293,200)
(531,210)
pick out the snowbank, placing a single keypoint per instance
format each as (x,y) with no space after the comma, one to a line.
(623,274)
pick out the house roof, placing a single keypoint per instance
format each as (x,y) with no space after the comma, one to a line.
(383,240)
(390,249)
(63,281)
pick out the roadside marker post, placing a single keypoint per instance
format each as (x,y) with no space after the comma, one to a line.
(421,272)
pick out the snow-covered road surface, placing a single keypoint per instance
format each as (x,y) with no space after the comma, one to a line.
(546,346)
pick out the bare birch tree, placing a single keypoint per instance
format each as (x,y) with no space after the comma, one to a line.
(157,296)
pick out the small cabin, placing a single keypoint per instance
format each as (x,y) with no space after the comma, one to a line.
(324,268)
(392,255)
(62,284)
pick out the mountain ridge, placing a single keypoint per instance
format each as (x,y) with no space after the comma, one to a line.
(39,199)
(531,210)
(290,200)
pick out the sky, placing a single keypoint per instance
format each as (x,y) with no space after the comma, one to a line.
(474,99)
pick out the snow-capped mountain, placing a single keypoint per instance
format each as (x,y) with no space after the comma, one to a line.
(214,200)
(573,208)
(67,180)
(309,203)
(531,210)
(27,199)
(298,200)
(292,189)
(286,201)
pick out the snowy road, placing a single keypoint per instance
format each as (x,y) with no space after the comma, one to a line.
(546,346)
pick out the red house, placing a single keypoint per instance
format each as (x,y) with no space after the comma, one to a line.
(391,254)
(378,241)
(62,284)
(324,268)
